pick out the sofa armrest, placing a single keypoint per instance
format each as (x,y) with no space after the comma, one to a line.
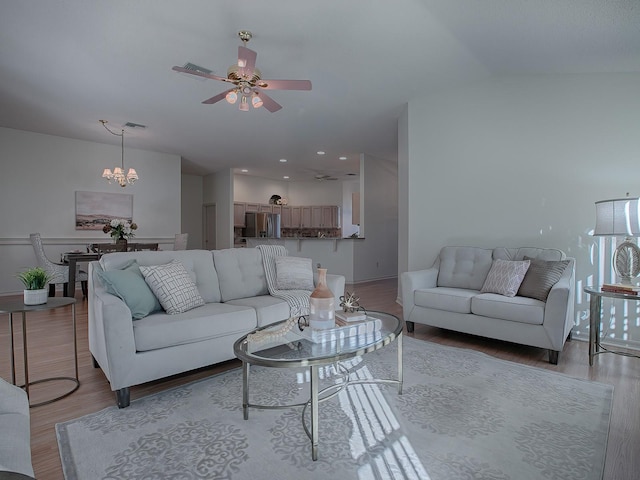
(111,340)
(416,280)
(558,312)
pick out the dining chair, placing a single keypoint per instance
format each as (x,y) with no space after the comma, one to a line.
(58,271)
(180,242)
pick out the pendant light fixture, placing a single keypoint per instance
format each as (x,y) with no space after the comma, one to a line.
(118,172)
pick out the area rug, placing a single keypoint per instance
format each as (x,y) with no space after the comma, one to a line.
(462,415)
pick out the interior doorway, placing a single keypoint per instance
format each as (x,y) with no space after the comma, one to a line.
(209,226)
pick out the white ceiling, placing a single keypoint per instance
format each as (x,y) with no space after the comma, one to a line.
(65,64)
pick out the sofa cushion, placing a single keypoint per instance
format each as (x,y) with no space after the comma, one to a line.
(129,285)
(268,309)
(505,277)
(443,298)
(294,273)
(199,264)
(211,320)
(172,285)
(515,309)
(240,272)
(541,277)
(463,267)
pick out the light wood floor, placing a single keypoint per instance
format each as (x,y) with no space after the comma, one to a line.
(50,354)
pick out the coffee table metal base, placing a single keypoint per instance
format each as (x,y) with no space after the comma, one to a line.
(316,396)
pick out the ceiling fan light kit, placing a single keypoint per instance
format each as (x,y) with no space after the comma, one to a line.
(247,81)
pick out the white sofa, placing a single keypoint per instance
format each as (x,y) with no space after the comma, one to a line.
(448,295)
(15,433)
(233,285)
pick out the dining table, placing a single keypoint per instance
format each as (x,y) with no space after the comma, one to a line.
(72,259)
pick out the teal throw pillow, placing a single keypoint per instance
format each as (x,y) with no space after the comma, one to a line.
(129,285)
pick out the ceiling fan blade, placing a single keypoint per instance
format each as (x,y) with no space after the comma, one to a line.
(285,84)
(201,74)
(218,97)
(246,60)
(269,103)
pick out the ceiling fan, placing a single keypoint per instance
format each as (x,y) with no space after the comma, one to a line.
(247,81)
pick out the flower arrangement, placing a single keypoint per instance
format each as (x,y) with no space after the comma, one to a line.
(34,278)
(120,228)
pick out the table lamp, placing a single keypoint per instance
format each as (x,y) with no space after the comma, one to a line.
(616,218)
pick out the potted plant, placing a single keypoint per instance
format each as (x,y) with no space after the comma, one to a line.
(35,282)
(120,230)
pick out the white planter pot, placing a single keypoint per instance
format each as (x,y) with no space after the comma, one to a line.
(36,297)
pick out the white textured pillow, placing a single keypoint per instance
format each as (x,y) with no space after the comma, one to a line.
(505,277)
(294,273)
(173,286)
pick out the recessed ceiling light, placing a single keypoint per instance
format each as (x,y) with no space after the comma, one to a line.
(244,170)
(342,158)
(286,177)
(283,160)
(320,152)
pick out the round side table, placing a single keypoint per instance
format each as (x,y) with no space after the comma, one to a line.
(12,307)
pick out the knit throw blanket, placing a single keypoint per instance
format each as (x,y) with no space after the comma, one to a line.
(298,300)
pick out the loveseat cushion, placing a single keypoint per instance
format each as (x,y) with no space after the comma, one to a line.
(515,309)
(211,320)
(443,298)
(541,277)
(240,272)
(464,267)
(505,277)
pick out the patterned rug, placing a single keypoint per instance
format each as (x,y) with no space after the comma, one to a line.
(462,415)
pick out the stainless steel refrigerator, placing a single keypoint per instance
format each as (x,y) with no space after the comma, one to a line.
(266,225)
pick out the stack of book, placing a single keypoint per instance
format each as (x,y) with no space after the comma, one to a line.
(621,288)
(367,328)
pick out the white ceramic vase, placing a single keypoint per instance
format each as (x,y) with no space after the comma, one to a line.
(35,297)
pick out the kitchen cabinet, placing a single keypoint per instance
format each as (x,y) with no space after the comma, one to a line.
(265,208)
(285,217)
(238,214)
(296,217)
(325,216)
(252,207)
(331,216)
(306,217)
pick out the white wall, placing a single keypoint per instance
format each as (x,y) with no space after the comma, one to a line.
(376,256)
(191,208)
(348,189)
(38,195)
(218,190)
(520,162)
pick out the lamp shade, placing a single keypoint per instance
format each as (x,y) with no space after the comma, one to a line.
(618,217)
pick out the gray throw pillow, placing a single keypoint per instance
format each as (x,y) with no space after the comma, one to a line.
(505,277)
(128,284)
(173,286)
(541,276)
(294,273)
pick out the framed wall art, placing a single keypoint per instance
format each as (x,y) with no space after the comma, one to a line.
(95,209)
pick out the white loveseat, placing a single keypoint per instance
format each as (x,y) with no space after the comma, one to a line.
(131,351)
(449,295)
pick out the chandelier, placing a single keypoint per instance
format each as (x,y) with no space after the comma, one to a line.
(118,172)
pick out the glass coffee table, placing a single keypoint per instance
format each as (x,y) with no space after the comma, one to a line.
(284,345)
